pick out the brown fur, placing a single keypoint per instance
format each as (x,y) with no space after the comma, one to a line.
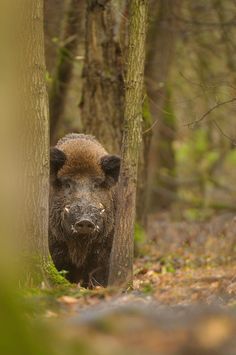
(83,156)
(85,258)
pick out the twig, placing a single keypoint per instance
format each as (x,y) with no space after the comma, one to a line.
(223,134)
(151,127)
(231,22)
(209,111)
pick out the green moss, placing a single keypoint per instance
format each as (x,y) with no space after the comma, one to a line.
(55,277)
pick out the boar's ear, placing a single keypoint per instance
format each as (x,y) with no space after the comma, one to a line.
(57,160)
(111,166)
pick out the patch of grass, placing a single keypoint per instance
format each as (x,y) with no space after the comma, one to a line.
(147,288)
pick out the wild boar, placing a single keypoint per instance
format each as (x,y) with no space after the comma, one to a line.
(83,179)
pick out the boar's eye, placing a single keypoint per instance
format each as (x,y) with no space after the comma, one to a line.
(98,182)
(67,184)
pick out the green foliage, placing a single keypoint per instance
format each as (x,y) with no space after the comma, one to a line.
(139,234)
(167,264)
(16,337)
(194,148)
(231,157)
(169,114)
(197,214)
(147,288)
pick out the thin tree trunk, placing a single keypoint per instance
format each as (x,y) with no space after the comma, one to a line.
(103,89)
(121,265)
(161,50)
(142,188)
(165,186)
(67,53)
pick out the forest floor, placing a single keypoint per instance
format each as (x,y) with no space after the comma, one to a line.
(183,299)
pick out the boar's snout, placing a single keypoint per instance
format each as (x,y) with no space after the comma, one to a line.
(83,219)
(85,226)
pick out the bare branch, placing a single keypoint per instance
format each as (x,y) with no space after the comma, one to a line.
(231,22)
(223,134)
(209,111)
(151,127)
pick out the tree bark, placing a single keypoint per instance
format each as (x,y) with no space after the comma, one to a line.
(103,89)
(121,264)
(27,137)
(66,57)
(35,130)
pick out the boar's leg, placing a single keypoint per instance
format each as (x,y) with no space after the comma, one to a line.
(61,260)
(98,268)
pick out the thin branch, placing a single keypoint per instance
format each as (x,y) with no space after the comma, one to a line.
(231,22)
(223,134)
(209,111)
(151,127)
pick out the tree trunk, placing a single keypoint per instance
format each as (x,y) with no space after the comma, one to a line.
(121,265)
(142,188)
(26,136)
(102,104)
(53,21)
(103,88)
(66,57)
(165,192)
(161,49)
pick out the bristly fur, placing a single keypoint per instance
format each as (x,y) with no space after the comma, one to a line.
(83,154)
(85,259)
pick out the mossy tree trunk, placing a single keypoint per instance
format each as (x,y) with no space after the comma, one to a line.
(65,63)
(121,264)
(103,88)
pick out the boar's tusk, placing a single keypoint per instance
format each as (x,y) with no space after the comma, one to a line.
(67,209)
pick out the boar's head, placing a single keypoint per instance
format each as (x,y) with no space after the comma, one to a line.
(83,176)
